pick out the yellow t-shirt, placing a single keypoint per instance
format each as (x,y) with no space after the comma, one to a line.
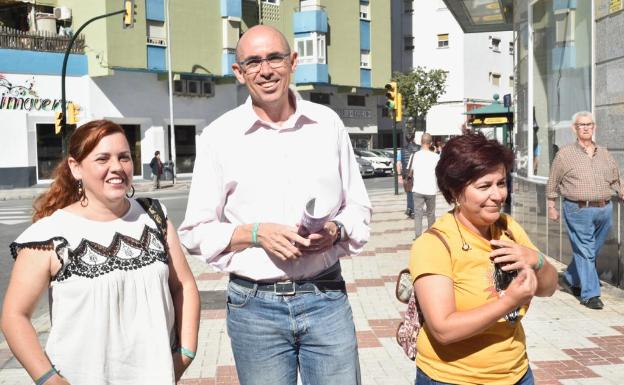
(498,354)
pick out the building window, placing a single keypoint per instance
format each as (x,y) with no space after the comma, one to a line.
(365,59)
(133,134)
(320,97)
(356,100)
(443,40)
(184,147)
(408,41)
(511,81)
(364,11)
(511,48)
(156,32)
(564,26)
(311,49)
(495,44)
(495,79)
(49,150)
(276,2)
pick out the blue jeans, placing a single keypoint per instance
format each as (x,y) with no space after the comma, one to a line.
(423,379)
(587,229)
(410,200)
(274,336)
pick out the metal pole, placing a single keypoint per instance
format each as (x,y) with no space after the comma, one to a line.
(394,161)
(172,153)
(66,131)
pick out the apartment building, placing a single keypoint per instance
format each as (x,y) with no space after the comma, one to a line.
(121,74)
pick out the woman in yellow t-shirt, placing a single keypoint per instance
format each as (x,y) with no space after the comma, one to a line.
(472,308)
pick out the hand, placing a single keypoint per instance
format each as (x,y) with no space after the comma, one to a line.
(323,240)
(180,363)
(522,289)
(512,256)
(281,240)
(400,179)
(553,214)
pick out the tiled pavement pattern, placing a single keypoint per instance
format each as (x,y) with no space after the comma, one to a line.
(567,343)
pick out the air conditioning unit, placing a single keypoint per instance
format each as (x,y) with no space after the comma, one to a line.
(193,88)
(62,13)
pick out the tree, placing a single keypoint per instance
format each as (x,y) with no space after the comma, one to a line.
(421,89)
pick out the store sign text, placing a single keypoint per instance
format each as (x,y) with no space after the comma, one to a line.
(356,114)
(24,97)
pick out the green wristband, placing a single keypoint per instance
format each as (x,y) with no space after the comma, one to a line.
(46,376)
(540,261)
(186,352)
(254,234)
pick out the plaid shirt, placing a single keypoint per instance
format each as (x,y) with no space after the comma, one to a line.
(578,177)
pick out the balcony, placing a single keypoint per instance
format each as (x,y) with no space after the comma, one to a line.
(311,73)
(38,41)
(310,21)
(40,53)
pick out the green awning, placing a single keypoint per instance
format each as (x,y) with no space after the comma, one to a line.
(495,108)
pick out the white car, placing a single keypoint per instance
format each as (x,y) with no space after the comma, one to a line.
(382,165)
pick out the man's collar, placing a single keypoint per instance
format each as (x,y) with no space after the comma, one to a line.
(294,121)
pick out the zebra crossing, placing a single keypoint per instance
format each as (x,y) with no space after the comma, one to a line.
(11,214)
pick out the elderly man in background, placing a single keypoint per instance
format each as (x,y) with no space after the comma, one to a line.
(586,176)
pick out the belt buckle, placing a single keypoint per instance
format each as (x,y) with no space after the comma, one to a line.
(284,288)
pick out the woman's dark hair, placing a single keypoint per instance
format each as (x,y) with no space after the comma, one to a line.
(64,190)
(467,158)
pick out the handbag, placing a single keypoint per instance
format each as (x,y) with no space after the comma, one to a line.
(408,329)
(408,181)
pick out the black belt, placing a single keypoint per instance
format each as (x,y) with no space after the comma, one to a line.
(583,204)
(328,280)
(289,287)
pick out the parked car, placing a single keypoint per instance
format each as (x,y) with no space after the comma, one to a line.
(385,153)
(382,165)
(366,168)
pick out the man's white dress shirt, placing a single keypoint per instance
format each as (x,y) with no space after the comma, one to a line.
(248,170)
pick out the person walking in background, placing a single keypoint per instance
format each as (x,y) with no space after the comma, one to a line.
(474,280)
(407,151)
(586,176)
(124,306)
(287,306)
(425,186)
(157,169)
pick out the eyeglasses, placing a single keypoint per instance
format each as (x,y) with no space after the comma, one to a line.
(253,65)
(584,125)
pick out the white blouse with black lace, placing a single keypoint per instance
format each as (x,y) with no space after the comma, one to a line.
(111,309)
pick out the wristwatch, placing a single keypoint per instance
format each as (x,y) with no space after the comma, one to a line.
(342,233)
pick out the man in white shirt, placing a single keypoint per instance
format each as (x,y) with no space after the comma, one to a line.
(425,183)
(287,304)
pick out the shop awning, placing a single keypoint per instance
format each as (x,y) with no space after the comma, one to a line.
(496,108)
(482,15)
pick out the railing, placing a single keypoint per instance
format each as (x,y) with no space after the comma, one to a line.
(38,41)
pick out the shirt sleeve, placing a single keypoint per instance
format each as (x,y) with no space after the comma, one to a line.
(203,232)
(429,256)
(356,210)
(554,179)
(615,182)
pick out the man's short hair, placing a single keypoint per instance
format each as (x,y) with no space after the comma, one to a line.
(157,153)
(426,139)
(582,114)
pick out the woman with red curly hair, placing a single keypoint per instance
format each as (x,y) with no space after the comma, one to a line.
(124,306)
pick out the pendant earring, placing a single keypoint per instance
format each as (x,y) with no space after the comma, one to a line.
(131,194)
(82,196)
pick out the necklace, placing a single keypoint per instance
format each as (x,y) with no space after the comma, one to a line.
(465,245)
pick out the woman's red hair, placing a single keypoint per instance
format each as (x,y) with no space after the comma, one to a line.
(64,189)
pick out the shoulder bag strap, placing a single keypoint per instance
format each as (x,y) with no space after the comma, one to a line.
(438,234)
(155,212)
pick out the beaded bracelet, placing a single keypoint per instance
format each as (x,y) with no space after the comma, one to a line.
(185,352)
(46,376)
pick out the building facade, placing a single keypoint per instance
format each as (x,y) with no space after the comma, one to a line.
(568,57)
(122,74)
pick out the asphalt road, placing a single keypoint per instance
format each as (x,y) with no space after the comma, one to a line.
(15,218)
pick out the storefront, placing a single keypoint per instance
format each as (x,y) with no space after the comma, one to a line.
(137,101)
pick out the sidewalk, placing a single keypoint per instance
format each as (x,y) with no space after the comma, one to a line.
(567,343)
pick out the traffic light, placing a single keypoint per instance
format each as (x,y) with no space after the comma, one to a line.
(129,13)
(72,113)
(58,123)
(399,108)
(391,96)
